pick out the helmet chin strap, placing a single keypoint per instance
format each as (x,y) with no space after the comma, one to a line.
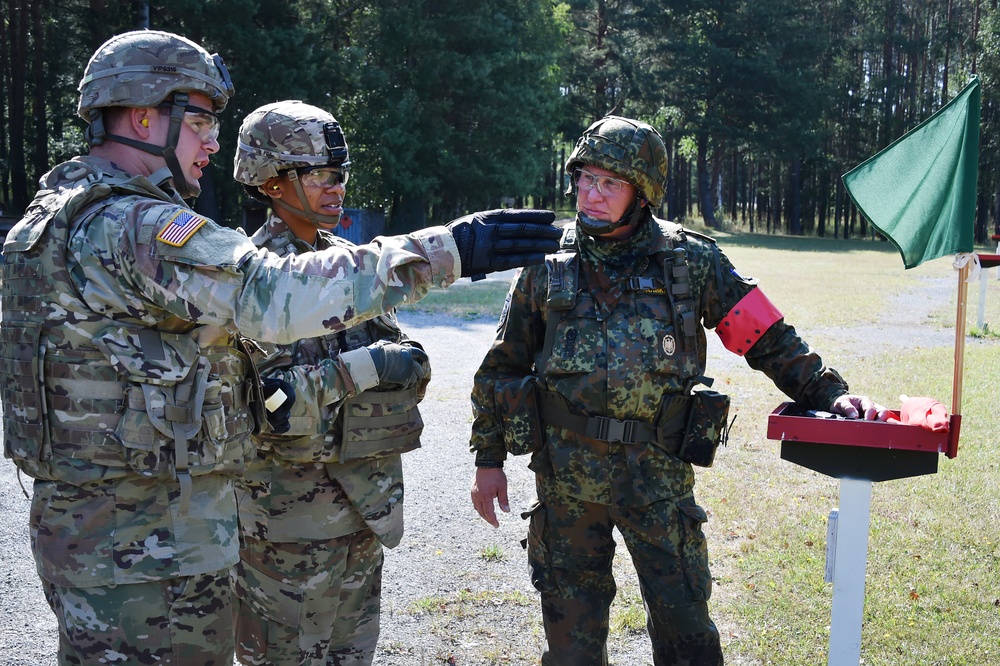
(96,136)
(315,219)
(595,227)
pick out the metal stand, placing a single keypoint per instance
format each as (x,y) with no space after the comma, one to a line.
(856,467)
(849,566)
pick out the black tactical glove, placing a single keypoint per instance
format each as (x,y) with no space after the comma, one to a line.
(495,240)
(398,366)
(277,409)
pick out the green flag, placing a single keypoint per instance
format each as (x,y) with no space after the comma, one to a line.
(920,192)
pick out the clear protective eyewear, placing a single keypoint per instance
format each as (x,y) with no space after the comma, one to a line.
(204,123)
(323,176)
(606,185)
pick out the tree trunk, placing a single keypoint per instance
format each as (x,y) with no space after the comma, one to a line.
(18,64)
(795,197)
(824,205)
(704,184)
(40,86)
(4,153)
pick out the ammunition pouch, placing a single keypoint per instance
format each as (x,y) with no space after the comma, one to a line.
(380,423)
(707,427)
(520,415)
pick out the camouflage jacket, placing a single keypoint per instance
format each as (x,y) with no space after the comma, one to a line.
(617,353)
(306,484)
(100,251)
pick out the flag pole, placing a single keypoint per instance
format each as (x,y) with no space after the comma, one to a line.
(960,316)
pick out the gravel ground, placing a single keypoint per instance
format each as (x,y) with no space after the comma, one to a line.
(456,590)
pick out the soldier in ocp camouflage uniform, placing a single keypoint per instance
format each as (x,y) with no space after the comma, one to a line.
(593,372)
(126,390)
(325,492)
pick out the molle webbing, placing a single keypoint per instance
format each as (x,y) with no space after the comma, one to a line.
(676,273)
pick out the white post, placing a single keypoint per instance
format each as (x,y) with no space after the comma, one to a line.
(983,283)
(854,516)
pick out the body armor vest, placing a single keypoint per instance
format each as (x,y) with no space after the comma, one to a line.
(90,396)
(564,276)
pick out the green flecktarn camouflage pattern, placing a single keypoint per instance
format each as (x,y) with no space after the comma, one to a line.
(628,147)
(314,513)
(102,258)
(143,68)
(617,353)
(286,135)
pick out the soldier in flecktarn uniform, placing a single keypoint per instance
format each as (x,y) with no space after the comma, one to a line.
(598,371)
(127,392)
(325,492)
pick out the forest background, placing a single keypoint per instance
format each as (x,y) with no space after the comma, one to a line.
(457,105)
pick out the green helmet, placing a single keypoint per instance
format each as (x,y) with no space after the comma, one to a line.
(287,135)
(144,68)
(627,147)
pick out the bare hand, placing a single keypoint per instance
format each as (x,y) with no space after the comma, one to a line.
(490,483)
(853,406)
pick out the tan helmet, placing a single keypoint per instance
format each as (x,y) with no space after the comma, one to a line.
(144,68)
(287,135)
(282,137)
(149,68)
(627,147)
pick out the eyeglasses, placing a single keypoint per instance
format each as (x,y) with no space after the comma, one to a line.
(323,176)
(606,185)
(205,123)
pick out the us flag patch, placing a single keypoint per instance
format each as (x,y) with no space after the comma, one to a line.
(179,229)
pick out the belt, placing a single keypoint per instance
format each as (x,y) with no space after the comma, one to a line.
(628,431)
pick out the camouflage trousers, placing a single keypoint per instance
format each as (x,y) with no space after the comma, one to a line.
(571,549)
(309,604)
(181,621)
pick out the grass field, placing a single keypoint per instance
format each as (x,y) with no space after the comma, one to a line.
(933,581)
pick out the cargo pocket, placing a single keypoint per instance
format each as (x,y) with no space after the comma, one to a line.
(277,601)
(694,550)
(537,544)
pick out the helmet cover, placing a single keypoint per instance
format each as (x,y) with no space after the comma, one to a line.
(287,135)
(143,68)
(627,147)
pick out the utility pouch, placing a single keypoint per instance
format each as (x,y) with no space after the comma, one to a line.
(520,417)
(707,427)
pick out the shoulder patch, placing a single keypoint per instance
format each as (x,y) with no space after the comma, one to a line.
(180,228)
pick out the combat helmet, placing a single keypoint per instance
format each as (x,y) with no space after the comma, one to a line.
(282,138)
(628,147)
(149,68)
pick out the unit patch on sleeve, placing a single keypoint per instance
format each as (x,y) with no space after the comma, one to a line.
(180,228)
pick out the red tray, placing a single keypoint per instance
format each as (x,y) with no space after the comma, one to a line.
(792,422)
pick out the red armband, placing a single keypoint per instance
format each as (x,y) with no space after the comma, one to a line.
(743,326)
